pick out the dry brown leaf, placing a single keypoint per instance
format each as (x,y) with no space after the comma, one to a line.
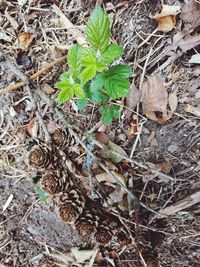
(166,24)
(190,14)
(132,99)
(33,127)
(165,167)
(154,95)
(189,42)
(25,40)
(175,76)
(48,89)
(166,19)
(155,98)
(102,138)
(105,177)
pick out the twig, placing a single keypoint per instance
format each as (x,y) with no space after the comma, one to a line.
(9,65)
(32,77)
(183,204)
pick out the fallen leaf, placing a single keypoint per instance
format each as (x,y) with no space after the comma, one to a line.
(154,95)
(25,40)
(33,127)
(189,42)
(132,99)
(165,167)
(102,138)
(193,110)
(48,89)
(195,59)
(175,76)
(82,255)
(109,152)
(190,14)
(166,24)
(114,193)
(105,177)
(166,19)
(155,98)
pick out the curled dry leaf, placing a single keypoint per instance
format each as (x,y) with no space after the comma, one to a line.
(115,157)
(25,40)
(132,99)
(48,89)
(32,128)
(155,98)
(154,95)
(102,138)
(166,19)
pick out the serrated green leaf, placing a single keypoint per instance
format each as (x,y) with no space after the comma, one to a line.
(88,61)
(98,29)
(123,71)
(74,59)
(63,85)
(88,74)
(115,111)
(65,95)
(106,115)
(111,53)
(116,86)
(65,76)
(81,103)
(78,90)
(96,93)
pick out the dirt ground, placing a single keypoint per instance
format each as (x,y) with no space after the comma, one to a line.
(31,234)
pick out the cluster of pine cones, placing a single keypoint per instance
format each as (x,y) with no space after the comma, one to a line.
(73,204)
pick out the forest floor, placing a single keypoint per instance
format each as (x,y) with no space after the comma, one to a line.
(165,167)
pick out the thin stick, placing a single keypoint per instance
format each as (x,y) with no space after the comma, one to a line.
(183,204)
(32,77)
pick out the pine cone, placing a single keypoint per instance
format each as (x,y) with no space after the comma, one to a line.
(63,139)
(151,257)
(71,204)
(86,224)
(123,237)
(104,233)
(54,181)
(40,156)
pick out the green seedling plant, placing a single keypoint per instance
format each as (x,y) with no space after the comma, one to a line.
(92,75)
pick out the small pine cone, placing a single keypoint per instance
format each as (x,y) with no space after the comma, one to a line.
(104,233)
(54,181)
(86,224)
(71,204)
(40,156)
(151,257)
(63,139)
(123,237)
